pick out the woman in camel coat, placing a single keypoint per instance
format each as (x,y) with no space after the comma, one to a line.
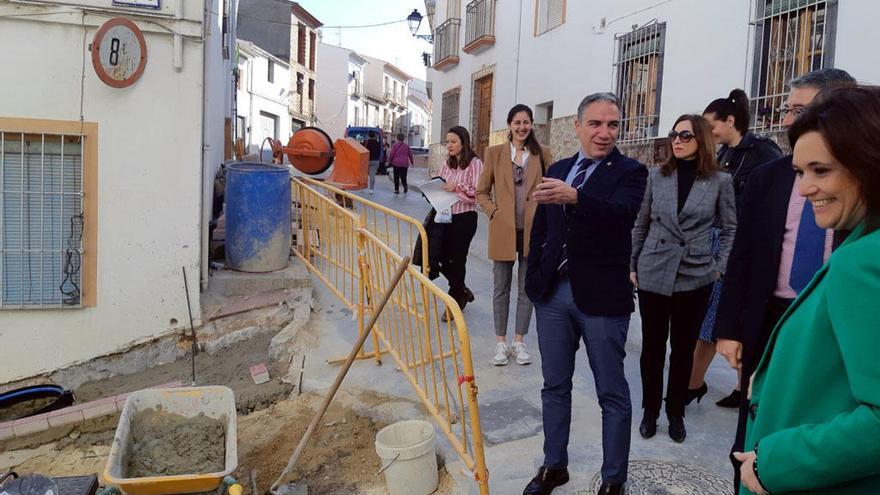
(511,171)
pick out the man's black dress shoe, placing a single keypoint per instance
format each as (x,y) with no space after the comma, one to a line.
(546,480)
(609,489)
(676,429)
(648,428)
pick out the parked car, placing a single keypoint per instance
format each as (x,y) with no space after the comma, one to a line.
(360,134)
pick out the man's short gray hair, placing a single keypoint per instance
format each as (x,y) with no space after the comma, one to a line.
(588,100)
(822,79)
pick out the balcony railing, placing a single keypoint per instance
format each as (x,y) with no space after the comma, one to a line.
(446,44)
(479,25)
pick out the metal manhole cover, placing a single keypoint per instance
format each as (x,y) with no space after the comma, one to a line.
(669,478)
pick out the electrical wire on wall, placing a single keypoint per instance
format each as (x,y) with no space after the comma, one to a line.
(72,262)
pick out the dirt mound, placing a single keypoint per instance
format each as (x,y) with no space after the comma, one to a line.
(339,459)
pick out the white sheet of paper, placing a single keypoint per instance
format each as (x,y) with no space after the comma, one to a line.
(439,199)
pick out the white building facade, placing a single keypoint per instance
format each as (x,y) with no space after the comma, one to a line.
(662,58)
(386,88)
(106,190)
(262,97)
(417,127)
(342,90)
(303,66)
(287,31)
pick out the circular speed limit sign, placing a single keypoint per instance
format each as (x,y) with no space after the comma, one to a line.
(119,53)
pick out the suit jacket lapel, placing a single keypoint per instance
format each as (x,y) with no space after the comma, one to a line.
(665,189)
(533,173)
(565,170)
(695,196)
(505,174)
(780,195)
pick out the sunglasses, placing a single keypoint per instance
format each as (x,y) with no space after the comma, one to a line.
(518,173)
(683,136)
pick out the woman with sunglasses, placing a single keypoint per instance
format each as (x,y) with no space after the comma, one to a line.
(672,264)
(510,173)
(740,152)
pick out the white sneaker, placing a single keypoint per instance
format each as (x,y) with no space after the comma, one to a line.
(371,191)
(501,354)
(519,352)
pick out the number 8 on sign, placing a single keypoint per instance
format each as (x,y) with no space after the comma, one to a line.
(119,53)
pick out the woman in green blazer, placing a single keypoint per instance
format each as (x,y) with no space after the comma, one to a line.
(814,423)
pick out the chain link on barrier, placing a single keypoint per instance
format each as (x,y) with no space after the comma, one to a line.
(338,245)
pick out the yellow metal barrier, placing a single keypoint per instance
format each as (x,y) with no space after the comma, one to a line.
(396,230)
(434,356)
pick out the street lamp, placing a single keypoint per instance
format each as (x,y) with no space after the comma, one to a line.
(414,20)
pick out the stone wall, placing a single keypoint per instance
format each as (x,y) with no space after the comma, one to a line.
(560,135)
(436,157)
(563,140)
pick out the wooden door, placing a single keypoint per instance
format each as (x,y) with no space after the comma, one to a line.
(483,96)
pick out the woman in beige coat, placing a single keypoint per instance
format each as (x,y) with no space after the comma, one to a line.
(510,173)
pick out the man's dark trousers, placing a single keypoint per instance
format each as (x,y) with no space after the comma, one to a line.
(561,327)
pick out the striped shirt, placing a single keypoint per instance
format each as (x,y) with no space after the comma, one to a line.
(789,239)
(466,184)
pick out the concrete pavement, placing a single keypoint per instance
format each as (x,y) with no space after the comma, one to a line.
(512,463)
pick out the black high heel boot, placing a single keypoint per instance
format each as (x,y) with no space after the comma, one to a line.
(677,431)
(648,427)
(696,393)
(731,401)
(468,295)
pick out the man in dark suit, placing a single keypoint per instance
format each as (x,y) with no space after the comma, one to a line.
(776,251)
(578,279)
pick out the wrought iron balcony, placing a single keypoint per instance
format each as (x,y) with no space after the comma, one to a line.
(446,44)
(479,25)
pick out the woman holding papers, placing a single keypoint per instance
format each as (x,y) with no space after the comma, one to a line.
(460,172)
(511,172)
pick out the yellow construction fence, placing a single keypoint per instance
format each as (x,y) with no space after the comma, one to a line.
(353,246)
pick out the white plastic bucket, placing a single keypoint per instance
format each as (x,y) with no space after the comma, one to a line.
(408,449)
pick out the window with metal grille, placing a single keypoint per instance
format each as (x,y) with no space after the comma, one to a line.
(638,74)
(449,112)
(301,44)
(792,37)
(41,220)
(548,15)
(313,43)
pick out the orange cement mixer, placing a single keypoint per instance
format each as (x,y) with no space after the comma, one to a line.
(311,151)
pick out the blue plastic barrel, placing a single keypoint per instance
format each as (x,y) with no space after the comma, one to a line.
(257,217)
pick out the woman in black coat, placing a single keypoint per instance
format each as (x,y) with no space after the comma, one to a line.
(740,152)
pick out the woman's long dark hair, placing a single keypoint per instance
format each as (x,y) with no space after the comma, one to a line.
(706,164)
(467,153)
(848,118)
(736,104)
(531,143)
